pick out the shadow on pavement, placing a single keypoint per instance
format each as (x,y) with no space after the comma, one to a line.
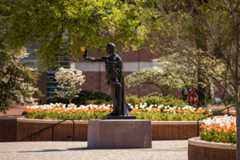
(182,149)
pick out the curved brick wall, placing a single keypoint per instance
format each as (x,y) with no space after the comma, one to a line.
(203,150)
(26,130)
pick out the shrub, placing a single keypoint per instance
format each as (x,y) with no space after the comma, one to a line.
(97,101)
(56,99)
(69,83)
(156,100)
(167,101)
(91,95)
(67,116)
(152,100)
(133,100)
(168,116)
(85,97)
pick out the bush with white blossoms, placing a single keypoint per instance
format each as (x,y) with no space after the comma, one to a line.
(69,82)
(17,81)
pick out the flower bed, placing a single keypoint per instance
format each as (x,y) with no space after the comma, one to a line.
(86,112)
(172,122)
(217,140)
(219,129)
(44,122)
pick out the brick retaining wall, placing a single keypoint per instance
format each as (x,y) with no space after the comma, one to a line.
(8,129)
(173,130)
(203,150)
(22,129)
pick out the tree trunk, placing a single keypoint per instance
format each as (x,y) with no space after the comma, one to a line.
(201,43)
(237,33)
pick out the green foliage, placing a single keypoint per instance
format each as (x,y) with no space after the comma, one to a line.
(16,81)
(98,101)
(214,136)
(133,100)
(91,95)
(84,97)
(197,41)
(159,116)
(95,97)
(178,70)
(155,116)
(166,101)
(152,76)
(66,25)
(156,100)
(67,116)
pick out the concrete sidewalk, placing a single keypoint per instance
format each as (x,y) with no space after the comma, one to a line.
(162,150)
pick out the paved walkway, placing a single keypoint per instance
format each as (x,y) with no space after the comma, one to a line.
(13,111)
(162,150)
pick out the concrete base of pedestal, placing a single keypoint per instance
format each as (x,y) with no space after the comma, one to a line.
(119,134)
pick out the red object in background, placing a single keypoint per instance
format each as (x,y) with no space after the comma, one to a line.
(178,94)
(192,96)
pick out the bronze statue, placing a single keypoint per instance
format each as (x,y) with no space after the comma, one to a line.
(115,79)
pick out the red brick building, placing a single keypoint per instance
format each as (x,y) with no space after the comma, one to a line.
(95,72)
(134,61)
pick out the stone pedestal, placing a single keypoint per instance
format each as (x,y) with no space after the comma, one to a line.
(119,134)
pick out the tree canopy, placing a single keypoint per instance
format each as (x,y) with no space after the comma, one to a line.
(63,26)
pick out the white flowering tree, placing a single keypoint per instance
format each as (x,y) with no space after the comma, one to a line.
(69,83)
(17,82)
(179,70)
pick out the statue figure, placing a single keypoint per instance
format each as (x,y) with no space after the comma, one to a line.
(114,75)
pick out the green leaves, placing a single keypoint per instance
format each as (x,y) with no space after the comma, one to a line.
(155,100)
(67,116)
(74,23)
(221,137)
(154,116)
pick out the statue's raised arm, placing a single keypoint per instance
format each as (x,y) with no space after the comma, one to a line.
(92,59)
